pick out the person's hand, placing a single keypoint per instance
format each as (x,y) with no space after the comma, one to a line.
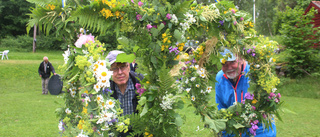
(54,73)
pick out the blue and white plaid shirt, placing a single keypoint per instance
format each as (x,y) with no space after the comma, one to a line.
(126,98)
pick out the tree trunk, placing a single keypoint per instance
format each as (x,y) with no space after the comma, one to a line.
(34,38)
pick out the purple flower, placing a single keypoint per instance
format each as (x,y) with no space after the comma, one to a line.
(256,122)
(183,73)
(193,61)
(253,107)
(253,129)
(155,26)
(82,100)
(149,26)
(140,3)
(264,115)
(132,1)
(276,100)
(138,85)
(221,22)
(164,23)
(253,54)
(248,95)
(138,17)
(248,51)
(141,91)
(241,19)
(187,62)
(168,16)
(183,68)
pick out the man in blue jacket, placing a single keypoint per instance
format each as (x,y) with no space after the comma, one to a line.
(232,85)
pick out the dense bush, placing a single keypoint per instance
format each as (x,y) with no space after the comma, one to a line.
(299,37)
(24,43)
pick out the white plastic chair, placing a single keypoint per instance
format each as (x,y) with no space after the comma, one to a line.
(4,53)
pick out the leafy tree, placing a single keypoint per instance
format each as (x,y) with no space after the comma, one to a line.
(13,18)
(299,37)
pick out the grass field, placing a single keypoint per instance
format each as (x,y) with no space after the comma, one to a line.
(25,111)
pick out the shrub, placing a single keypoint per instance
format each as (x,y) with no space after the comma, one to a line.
(297,40)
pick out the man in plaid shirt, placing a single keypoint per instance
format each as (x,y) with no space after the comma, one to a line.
(123,85)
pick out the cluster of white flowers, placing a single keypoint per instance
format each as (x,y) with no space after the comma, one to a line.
(167,101)
(102,74)
(66,56)
(248,117)
(60,126)
(68,111)
(188,21)
(73,91)
(174,19)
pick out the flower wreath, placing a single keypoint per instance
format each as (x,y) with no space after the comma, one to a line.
(161,30)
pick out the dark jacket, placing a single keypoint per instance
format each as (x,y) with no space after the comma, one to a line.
(49,69)
(133,68)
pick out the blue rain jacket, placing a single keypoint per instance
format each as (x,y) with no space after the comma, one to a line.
(226,95)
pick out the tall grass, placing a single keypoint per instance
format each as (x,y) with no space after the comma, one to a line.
(25,111)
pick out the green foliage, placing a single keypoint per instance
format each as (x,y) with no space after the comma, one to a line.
(299,38)
(13,17)
(25,43)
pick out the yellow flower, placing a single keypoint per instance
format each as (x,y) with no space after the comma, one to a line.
(147,82)
(177,58)
(165,40)
(117,14)
(164,35)
(274,60)
(146,133)
(106,13)
(254,101)
(85,111)
(86,91)
(225,12)
(223,61)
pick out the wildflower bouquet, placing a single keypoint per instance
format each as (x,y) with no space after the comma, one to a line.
(89,109)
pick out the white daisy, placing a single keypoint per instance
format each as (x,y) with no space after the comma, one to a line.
(193,78)
(193,98)
(100,99)
(110,103)
(197,85)
(209,89)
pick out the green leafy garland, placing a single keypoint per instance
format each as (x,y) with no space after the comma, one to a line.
(156,31)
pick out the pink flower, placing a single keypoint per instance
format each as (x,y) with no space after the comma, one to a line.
(138,85)
(235,23)
(164,23)
(140,3)
(155,26)
(83,39)
(168,16)
(256,122)
(233,11)
(141,91)
(241,19)
(138,17)
(253,107)
(132,1)
(278,95)
(149,26)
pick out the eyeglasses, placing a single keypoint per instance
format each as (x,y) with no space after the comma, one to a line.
(122,68)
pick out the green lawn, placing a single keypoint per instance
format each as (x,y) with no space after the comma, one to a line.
(25,111)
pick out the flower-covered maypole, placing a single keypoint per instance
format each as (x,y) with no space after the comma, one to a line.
(157,32)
